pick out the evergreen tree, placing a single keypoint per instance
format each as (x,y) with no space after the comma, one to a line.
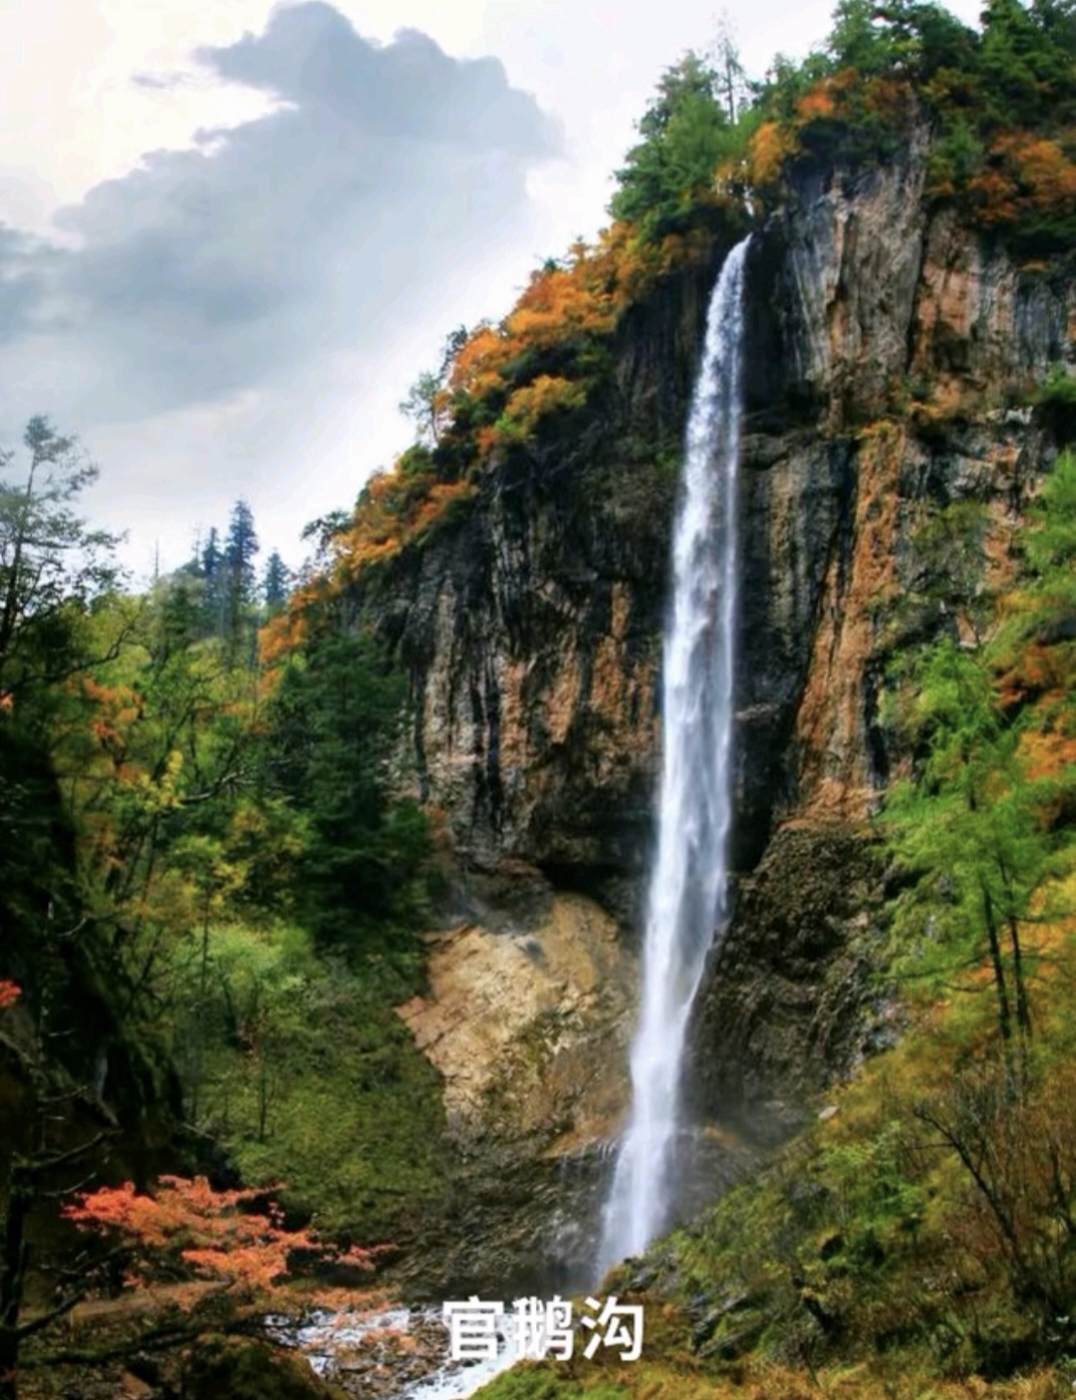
(276,583)
(331,727)
(214,594)
(980,828)
(685,133)
(239,551)
(240,577)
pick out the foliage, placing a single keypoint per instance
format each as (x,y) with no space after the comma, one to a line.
(330,729)
(302,1067)
(276,583)
(1056,402)
(921,1240)
(217,1233)
(52,567)
(970,830)
(396,509)
(177,828)
(687,131)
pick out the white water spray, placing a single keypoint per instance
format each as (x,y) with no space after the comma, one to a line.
(688,884)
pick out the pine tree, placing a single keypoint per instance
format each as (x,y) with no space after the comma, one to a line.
(240,578)
(211,572)
(276,583)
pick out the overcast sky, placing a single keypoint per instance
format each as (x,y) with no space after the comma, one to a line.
(232,233)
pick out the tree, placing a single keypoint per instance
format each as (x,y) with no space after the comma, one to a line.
(51,565)
(240,585)
(330,730)
(214,587)
(978,827)
(729,73)
(26,1176)
(323,531)
(219,1235)
(685,133)
(426,406)
(968,829)
(276,583)
(33,1167)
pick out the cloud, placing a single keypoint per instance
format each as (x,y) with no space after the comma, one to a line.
(316,227)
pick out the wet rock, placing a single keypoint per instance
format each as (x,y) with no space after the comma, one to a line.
(791,999)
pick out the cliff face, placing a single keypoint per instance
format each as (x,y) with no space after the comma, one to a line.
(882,350)
(531,632)
(887,351)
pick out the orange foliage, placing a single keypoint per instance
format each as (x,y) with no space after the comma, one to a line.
(563,305)
(473,370)
(559,302)
(843,97)
(562,302)
(118,709)
(1028,174)
(9,993)
(1048,753)
(213,1231)
(769,148)
(818,102)
(394,511)
(286,632)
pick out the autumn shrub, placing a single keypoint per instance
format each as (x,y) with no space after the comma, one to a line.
(217,1234)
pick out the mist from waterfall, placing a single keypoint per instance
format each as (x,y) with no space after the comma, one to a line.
(688,882)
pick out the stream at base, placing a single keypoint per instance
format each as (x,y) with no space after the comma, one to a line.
(396,1354)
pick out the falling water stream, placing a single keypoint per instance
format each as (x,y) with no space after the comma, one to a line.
(687,894)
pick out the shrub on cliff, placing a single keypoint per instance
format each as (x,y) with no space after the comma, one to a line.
(999,103)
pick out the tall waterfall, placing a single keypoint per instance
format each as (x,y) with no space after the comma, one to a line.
(687,895)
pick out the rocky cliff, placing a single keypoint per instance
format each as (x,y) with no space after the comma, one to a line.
(889,358)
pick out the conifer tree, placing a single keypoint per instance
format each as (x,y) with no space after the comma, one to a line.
(240,578)
(211,572)
(275,583)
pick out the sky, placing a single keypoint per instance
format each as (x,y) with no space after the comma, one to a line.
(233,233)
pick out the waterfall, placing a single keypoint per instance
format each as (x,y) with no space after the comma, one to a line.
(687,895)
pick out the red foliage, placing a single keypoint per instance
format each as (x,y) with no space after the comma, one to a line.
(9,993)
(215,1232)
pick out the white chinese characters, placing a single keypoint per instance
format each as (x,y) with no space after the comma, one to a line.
(539,1329)
(617,1325)
(472,1329)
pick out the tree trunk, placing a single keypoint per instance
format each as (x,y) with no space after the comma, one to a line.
(13,1251)
(1000,982)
